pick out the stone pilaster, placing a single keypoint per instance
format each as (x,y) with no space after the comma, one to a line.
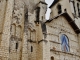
(79,41)
(6,30)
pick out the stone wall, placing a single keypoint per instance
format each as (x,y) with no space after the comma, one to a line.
(25,36)
(65,4)
(55,29)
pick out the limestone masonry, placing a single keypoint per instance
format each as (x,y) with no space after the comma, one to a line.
(25,34)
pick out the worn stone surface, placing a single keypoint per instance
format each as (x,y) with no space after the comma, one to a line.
(25,34)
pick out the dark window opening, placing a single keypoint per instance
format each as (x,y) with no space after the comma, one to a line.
(31,49)
(16,45)
(37,14)
(59,9)
(74,7)
(52,58)
(78,9)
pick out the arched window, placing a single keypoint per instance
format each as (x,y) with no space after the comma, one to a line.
(52,58)
(59,9)
(64,43)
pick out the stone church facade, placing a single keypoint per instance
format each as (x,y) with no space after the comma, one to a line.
(25,34)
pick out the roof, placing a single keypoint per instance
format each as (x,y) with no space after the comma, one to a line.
(69,19)
(54,2)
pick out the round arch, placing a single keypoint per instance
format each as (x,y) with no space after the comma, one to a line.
(59,8)
(64,43)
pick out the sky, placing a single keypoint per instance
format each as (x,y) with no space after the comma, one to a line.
(49,2)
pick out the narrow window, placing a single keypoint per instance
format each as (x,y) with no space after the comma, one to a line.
(78,9)
(37,13)
(64,43)
(59,9)
(31,49)
(52,58)
(74,7)
(16,45)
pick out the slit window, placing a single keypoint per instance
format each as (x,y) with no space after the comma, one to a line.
(16,45)
(37,13)
(31,49)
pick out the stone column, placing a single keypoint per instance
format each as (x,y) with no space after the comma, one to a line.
(43,47)
(79,41)
(25,47)
(6,30)
(39,37)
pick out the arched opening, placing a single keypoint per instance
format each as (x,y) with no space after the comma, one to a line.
(64,43)
(52,58)
(59,9)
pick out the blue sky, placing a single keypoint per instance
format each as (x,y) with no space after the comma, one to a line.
(49,2)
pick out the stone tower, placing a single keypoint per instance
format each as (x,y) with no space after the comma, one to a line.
(20,22)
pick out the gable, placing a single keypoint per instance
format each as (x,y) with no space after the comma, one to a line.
(68,19)
(61,25)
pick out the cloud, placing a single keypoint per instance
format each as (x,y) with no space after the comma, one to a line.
(49,2)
